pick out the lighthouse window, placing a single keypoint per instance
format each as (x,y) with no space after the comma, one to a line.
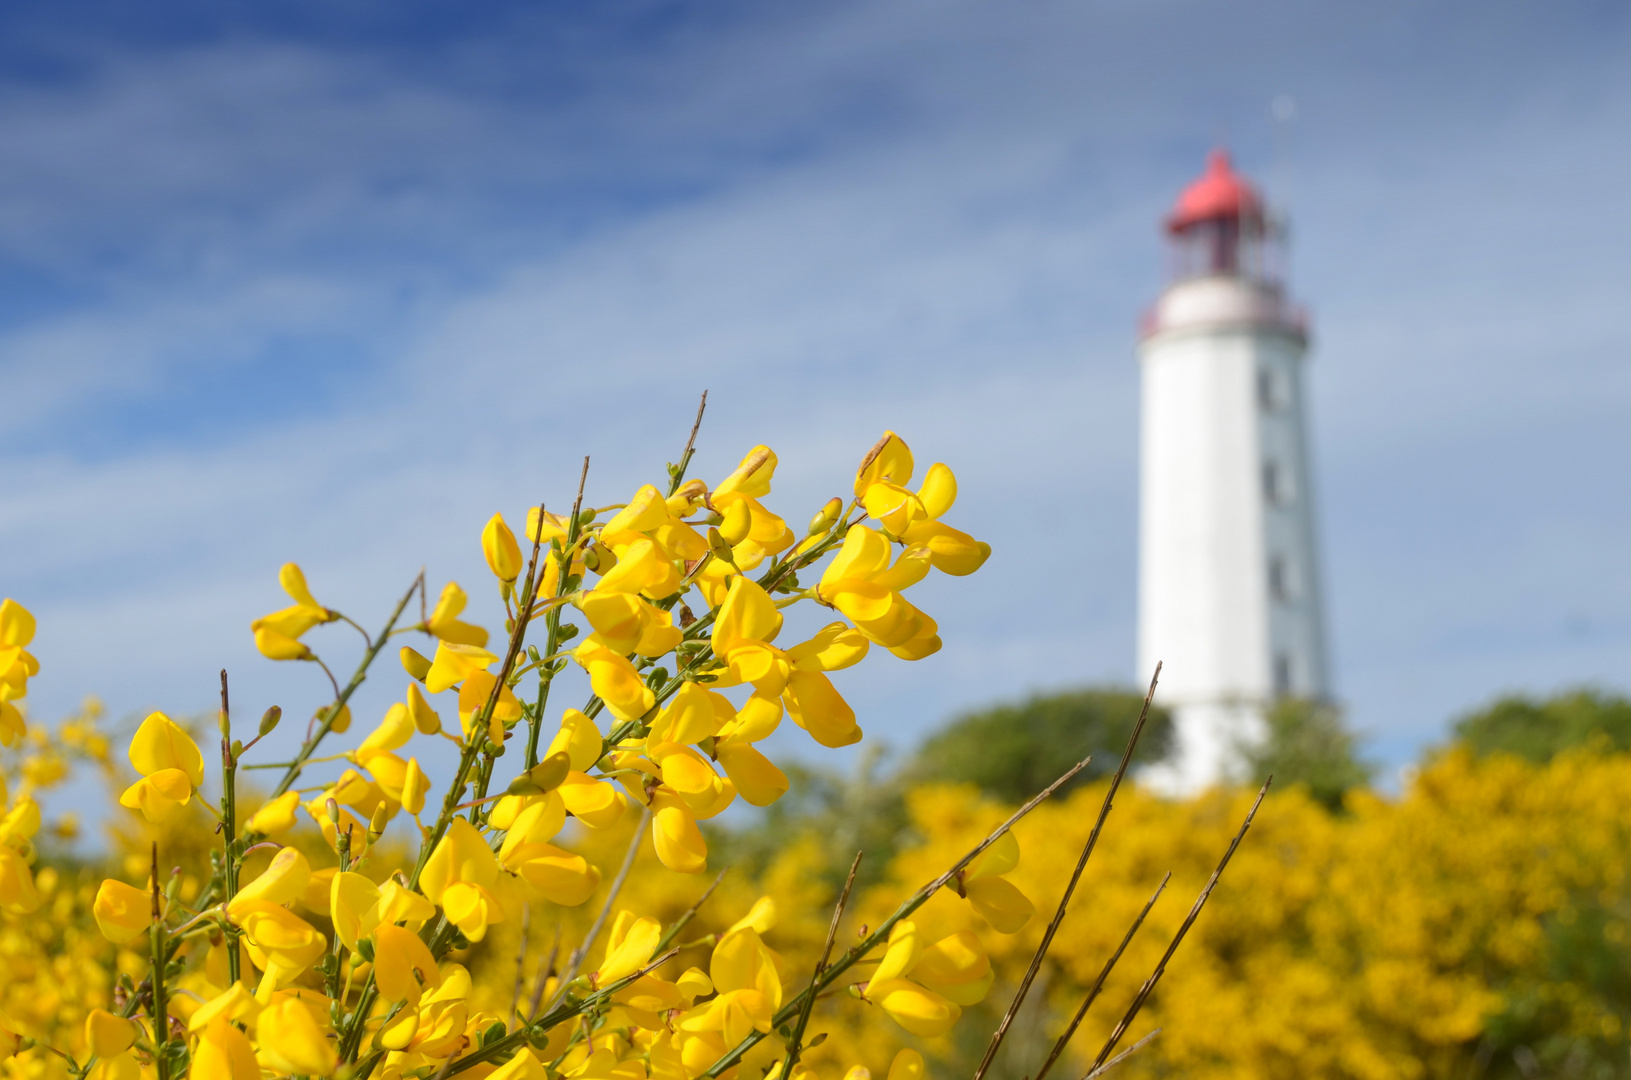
(1276,484)
(1282,674)
(1281,586)
(1271,390)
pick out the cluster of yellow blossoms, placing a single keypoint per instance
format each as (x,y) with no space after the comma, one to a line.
(349,969)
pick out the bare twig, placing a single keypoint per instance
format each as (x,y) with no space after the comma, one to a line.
(678,475)
(520,964)
(872,940)
(505,1044)
(1098,984)
(543,976)
(690,913)
(577,503)
(796,1045)
(1189,920)
(575,961)
(1070,888)
(1123,1056)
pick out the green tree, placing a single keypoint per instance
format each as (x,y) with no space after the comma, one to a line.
(1308,743)
(1013,751)
(1538,729)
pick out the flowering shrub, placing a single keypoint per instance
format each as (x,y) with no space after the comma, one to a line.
(264,952)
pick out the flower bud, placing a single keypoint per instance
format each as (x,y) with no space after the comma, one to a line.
(827,517)
(377,823)
(425,719)
(738,522)
(269,719)
(341,722)
(414,663)
(721,549)
(545,776)
(499,546)
(414,786)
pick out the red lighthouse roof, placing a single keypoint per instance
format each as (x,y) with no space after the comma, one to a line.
(1220,194)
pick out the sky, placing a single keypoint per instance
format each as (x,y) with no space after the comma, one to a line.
(334,283)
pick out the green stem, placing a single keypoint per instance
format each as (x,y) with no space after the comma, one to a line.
(333,711)
(229,825)
(160,1012)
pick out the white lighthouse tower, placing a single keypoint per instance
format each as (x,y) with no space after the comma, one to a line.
(1228,575)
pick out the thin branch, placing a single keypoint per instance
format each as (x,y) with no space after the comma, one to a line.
(691,913)
(543,975)
(1123,1056)
(577,503)
(678,475)
(872,940)
(333,711)
(1070,889)
(796,1045)
(520,964)
(1098,984)
(1189,920)
(506,1043)
(575,961)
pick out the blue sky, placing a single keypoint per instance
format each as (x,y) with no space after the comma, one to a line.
(333,283)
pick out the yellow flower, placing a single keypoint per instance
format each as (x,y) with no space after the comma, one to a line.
(908,1065)
(593,802)
(16,665)
(122,912)
(224,1053)
(502,552)
(277,635)
(415,664)
(402,965)
(615,680)
(745,624)
(454,663)
(629,947)
(170,765)
(414,786)
(862,584)
(911,1005)
(281,943)
(475,692)
(556,875)
(425,719)
(275,817)
(461,876)
(10,1036)
(445,625)
(691,715)
(625,623)
(745,974)
(996,899)
(108,1035)
(579,738)
(233,1003)
(675,835)
(18,895)
(756,778)
(352,902)
(282,882)
(291,1041)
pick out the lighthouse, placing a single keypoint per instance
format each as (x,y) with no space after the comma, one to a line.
(1228,576)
